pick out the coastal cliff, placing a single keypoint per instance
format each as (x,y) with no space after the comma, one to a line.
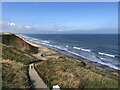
(13,40)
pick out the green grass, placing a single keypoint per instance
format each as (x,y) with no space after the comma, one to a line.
(33,50)
(68,74)
(14,75)
(13,53)
(15,67)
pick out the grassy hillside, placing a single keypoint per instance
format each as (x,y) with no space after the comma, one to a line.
(13,40)
(15,67)
(13,53)
(68,74)
(14,75)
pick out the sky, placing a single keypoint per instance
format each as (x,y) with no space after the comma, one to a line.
(60,17)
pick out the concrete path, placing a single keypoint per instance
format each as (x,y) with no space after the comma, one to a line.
(37,82)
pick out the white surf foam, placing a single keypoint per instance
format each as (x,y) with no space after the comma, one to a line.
(66,46)
(30,38)
(35,39)
(109,65)
(59,47)
(87,50)
(50,45)
(105,54)
(45,41)
(97,60)
(78,48)
(73,53)
(102,58)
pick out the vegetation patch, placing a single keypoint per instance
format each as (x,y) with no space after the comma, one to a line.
(15,67)
(68,74)
(14,75)
(13,53)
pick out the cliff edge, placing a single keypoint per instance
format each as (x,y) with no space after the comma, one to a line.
(13,40)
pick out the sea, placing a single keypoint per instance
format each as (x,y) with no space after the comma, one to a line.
(99,48)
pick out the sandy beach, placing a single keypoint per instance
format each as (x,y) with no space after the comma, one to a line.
(44,52)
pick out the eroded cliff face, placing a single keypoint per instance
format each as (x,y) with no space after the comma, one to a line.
(13,40)
(18,42)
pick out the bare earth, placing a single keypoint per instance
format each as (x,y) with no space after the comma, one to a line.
(36,80)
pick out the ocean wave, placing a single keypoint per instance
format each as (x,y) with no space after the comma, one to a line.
(73,53)
(109,65)
(98,61)
(26,37)
(45,41)
(37,42)
(30,38)
(102,58)
(87,50)
(60,48)
(106,54)
(50,45)
(66,46)
(78,48)
(34,39)
(46,44)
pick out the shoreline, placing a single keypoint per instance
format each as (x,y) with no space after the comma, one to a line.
(92,64)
